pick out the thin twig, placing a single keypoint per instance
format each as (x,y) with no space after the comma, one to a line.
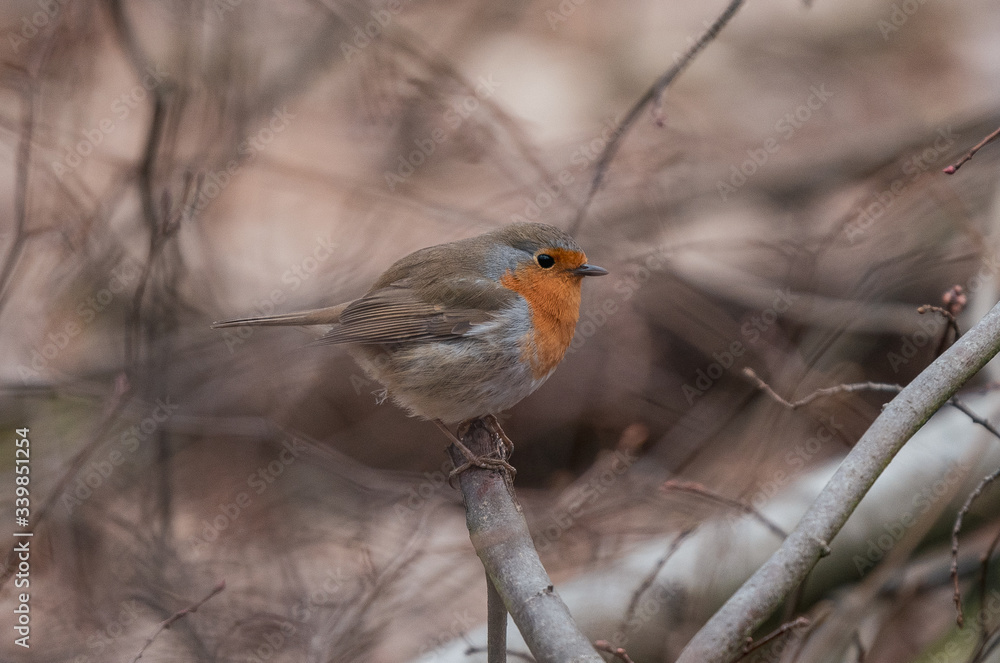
(819,393)
(702,491)
(954,401)
(647,582)
(617,652)
(960,618)
(653,95)
(950,170)
(984,572)
(496,625)
(168,622)
(752,645)
(952,324)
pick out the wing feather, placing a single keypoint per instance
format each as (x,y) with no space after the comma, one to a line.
(397,314)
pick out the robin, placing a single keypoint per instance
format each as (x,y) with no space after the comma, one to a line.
(462,330)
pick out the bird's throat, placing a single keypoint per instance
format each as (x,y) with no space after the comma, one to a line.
(554,304)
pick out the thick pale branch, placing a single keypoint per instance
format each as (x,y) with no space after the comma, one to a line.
(721,639)
(501,538)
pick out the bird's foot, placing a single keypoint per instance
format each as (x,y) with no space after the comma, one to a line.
(487,462)
(494,425)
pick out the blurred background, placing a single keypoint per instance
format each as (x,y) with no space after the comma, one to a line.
(782,207)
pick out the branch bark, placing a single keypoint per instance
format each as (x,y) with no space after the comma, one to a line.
(500,536)
(721,638)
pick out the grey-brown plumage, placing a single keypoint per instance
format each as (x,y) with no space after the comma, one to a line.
(441,331)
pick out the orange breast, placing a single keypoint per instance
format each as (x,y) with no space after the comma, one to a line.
(554,301)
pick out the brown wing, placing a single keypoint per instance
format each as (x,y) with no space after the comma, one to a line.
(396,314)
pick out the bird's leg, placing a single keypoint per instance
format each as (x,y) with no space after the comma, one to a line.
(472,460)
(494,425)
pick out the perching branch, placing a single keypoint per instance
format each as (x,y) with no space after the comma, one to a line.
(721,639)
(501,538)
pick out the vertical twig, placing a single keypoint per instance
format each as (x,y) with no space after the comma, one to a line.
(496,625)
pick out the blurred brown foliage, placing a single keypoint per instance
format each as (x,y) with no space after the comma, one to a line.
(167,164)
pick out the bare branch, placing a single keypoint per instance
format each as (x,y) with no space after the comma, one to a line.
(168,622)
(747,508)
(952,169)
(501,538)
(723,636)
(949,318)
(653,95)
(864,386)
(617,652)
(960,618)
(752,646)
(496,625)
(819,393)
(647,582)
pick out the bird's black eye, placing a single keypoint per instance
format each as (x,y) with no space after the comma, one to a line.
(545,260)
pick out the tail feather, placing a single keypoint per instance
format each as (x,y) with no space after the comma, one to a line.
(320,316)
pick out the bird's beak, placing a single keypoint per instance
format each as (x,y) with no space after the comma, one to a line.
(589,270)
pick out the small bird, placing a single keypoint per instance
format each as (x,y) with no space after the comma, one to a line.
(462,330)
